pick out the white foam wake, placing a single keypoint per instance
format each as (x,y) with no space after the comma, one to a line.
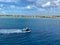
(7,31)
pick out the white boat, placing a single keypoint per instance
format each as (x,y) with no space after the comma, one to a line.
(26,30)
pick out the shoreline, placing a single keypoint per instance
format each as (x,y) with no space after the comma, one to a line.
(23,16)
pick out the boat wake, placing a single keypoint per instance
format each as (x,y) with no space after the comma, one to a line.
(9,31)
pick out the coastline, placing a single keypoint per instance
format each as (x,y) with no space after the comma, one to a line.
(24,16)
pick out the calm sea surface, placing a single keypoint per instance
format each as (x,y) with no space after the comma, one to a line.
(44,31)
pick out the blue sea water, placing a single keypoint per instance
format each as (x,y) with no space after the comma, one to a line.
(45,31)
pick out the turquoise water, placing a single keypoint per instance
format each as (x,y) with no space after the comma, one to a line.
(44,31)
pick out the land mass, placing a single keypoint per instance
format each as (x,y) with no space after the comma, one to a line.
(24,16)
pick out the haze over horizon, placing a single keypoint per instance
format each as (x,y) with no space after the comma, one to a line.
(30,7)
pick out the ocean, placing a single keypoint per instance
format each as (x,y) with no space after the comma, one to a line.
(44,31)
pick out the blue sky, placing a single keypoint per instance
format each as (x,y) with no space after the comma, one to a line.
(30,7)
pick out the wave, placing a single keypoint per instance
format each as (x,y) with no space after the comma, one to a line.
(8,31)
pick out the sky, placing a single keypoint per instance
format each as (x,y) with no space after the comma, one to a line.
(30,7)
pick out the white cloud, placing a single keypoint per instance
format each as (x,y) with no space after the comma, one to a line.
(1,8)
(57,2)
(16,7)
(26,7)
(29,7)
(12,6)
(40,9)
(33,6)
(1,5)
(46,4)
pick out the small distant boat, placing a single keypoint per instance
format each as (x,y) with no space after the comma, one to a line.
(26,30)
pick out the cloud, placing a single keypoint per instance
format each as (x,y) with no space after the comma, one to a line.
(46,4)
(29,7)
(25,7)
(1,5)
(1,9)
(18,8)
(57,2)
(12,6)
